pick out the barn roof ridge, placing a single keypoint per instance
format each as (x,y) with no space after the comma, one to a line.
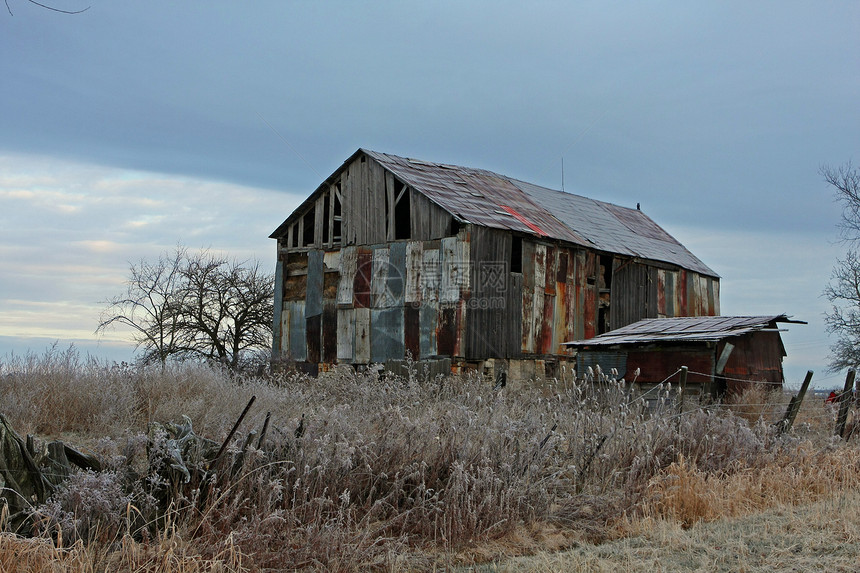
(486,198)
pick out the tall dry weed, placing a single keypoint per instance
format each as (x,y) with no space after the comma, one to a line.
(358,469)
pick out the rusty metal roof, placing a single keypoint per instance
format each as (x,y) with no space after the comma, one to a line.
(485,198)
(684,329)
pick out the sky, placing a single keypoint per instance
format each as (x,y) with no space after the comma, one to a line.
(132,127)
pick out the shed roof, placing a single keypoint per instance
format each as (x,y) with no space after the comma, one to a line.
(485,198)
(684,329)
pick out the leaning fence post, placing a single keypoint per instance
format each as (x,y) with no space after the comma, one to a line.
(845,402)
(682,388)
(794,405)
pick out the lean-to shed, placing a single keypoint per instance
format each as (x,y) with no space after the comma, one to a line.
(391,257)
(723,353)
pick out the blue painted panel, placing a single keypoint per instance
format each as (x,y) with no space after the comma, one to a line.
(396,273)
(386,334)
(298,339)
(278,306)
(427,320)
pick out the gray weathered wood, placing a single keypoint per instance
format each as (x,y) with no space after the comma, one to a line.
(362,335)
(846,399)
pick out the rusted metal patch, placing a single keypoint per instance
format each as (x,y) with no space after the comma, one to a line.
(363,275)
(446,331)
(546,346)
(412,331)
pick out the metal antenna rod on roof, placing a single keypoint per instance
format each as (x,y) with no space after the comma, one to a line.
(562,174)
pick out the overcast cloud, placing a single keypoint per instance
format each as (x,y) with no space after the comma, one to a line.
(133,126)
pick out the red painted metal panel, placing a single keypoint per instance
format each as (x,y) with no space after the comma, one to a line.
(551,270)
(446,331)
(681,286)
(659,365)
(756,357)
(363,275)
(546,345)
(560,332)
(412,330)
(522,219)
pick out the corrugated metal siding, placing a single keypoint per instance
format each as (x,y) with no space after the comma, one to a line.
(298,345)
(607,360)
(756,357)
(661,364)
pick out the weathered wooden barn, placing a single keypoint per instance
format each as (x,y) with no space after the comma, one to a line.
(723,353)
(393,257)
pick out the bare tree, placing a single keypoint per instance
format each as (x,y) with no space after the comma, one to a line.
(196,306)
(226,310)
(843,290)
(150,306)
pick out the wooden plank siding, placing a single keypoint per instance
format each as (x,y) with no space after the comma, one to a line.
(486,324)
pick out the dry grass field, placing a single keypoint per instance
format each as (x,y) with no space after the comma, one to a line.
(369,472)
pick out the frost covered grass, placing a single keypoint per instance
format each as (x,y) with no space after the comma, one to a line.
(360,470)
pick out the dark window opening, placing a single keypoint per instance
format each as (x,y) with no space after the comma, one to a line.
(308,232)
(602,318)
(604,278)
(326,213)
(336,219)
(455,226)
(388,207)
(605,272)
(402,216)
(517,254)
(294,235)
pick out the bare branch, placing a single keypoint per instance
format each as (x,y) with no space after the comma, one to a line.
(843,289)
(46,7)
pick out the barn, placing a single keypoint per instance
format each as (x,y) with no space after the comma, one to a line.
(393,258)
(724,354)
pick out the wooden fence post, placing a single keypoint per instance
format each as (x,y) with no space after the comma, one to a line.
(845,400)
(681,391)
(794,406)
